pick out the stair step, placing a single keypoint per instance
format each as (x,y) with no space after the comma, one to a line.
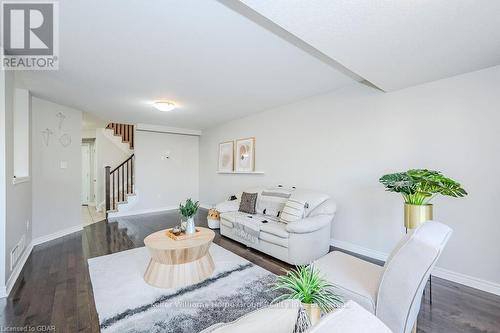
(117,203)
(125,131)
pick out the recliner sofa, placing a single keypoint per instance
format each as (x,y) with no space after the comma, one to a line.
(298,242)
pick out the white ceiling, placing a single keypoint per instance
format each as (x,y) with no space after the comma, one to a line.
(116,56)
(395,44)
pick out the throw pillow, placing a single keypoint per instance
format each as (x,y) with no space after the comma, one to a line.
(271,201)
(293,211)
(248,201)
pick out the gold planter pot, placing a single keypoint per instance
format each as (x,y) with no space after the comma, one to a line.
(313,312)
(415,215)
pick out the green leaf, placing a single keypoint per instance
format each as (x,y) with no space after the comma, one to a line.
(189,209)
(419,186)
(305,284)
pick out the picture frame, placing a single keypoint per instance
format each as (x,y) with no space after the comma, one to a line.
(245,155)
(226,156)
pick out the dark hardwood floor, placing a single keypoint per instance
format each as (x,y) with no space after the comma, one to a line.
(54,293)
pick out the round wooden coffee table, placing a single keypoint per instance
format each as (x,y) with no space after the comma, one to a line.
(178,263)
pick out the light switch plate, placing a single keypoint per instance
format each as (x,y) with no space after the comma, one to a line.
(64,165)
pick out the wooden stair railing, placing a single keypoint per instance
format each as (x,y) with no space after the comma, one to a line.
(119,183)
(125,131)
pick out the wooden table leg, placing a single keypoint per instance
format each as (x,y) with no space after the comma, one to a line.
(179,275)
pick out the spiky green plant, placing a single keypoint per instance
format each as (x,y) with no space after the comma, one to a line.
(420,186)
(189,209)
(304,283)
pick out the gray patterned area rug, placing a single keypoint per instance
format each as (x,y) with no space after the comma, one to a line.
(125,303)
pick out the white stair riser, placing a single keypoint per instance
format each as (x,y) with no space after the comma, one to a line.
(117,141)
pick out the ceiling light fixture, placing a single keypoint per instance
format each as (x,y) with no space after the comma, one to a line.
(164,106)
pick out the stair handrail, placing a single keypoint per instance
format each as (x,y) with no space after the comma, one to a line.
(124,162)
(125,183)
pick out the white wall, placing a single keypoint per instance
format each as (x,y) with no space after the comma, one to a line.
(56,190)
(89,133)
(164,183)
(16,197)
(21,132)
(341,143)
(107,154)
(3,179)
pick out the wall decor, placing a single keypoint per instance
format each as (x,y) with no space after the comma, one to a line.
(61,117)
(65,140)
(46,133)
(226,156)
(245,155)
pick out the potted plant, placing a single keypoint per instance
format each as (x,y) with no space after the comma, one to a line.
(304,283)
(188,210)
(418,187)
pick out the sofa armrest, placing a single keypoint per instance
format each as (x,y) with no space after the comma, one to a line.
(309,224)
(227,206)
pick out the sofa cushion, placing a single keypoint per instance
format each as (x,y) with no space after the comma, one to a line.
(273,239)
(248,202)
(233,216)
(274,228)
(229,216)
(226,223)
(355,279)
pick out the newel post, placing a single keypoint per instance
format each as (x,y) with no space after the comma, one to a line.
(108,192)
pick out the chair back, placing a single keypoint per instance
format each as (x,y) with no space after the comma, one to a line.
(406,273)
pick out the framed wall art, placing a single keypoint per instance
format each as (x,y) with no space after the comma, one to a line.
(226,156)
(245,155)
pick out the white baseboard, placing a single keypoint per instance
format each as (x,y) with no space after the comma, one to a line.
(61,233)
(140,212)
(442,273)
(5,291)
(111,216)
(467,280)
(359,249)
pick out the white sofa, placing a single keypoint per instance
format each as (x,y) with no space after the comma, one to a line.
(283,317)
(297,243)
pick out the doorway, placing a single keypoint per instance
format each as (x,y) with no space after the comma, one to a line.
(87,197)
(89,212)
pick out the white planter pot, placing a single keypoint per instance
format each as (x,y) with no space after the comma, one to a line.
(190,227)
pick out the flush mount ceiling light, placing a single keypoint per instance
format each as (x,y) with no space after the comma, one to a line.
(164,106)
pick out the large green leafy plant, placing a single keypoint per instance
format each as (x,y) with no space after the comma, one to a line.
(305,284)
(189,209)
(419,186)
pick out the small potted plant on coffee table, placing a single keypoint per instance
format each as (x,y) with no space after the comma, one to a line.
(304,283)
(188,211)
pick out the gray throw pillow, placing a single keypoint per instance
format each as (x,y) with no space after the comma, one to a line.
(247,204)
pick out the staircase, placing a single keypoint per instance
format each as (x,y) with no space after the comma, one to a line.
(125,131)
(119,181)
